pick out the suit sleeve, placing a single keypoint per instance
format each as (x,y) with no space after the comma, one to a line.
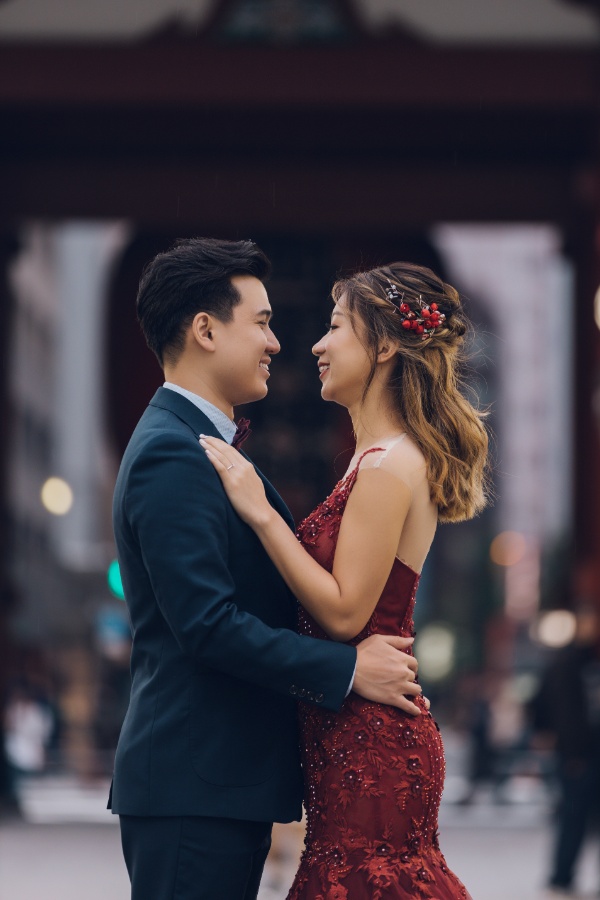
(177,511)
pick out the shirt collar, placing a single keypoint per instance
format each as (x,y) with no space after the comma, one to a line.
(221,422)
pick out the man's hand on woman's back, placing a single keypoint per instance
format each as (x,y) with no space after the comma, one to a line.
(385,672)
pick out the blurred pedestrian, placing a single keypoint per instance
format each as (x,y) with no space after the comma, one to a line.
(481,755)
(567,708)
(29,725)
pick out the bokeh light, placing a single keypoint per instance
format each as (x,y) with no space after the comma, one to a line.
(508,548)
(57,496)
(555,628)
(524,686)
(113,577)
(435,648)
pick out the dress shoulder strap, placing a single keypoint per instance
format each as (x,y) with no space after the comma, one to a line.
(391,444)
(351,476)
(370,450)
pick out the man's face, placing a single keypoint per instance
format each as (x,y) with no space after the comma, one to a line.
(244,346)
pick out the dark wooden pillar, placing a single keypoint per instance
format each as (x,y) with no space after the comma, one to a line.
(8,249)
(585,251)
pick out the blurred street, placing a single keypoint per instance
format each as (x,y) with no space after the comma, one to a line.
(68,847)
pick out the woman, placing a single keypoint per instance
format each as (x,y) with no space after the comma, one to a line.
(374,775)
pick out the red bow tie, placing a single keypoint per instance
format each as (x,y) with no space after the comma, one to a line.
(242,433)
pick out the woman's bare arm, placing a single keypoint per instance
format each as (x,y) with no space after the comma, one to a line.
(342,601)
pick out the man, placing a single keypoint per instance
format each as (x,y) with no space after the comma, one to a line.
(207,758)
(566,715)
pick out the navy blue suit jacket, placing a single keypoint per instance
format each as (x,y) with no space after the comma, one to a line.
(216,665)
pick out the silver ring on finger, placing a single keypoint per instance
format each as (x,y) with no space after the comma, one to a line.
(232,466)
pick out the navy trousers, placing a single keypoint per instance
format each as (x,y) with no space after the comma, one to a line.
(194,857)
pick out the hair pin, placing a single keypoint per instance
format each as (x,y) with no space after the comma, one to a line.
(424,322)
(393,294)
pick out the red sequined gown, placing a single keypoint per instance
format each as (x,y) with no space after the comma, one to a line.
(373,774)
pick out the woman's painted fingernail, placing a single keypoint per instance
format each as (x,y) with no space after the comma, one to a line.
(202,441)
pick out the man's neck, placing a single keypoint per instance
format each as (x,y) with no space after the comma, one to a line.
(197,385)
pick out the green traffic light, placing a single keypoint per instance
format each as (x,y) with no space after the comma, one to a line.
(113,576)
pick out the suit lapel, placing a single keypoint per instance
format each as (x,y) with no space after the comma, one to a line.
(199,423)
(186,411)
(273,496)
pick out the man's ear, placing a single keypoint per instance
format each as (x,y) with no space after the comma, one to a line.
(201,331)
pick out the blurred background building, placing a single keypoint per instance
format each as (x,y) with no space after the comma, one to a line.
(337,134)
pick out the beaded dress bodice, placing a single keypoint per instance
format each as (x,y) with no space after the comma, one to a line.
(373,774)
(318,534)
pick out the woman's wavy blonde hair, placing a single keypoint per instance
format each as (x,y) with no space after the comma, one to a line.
(426,384)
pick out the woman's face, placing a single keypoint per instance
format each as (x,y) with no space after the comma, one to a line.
(344,363)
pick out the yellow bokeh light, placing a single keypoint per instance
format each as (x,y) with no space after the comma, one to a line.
(57,496)
(435,648)
(508,548)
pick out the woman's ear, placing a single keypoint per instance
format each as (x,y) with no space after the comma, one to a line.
(201,331)
(386,352)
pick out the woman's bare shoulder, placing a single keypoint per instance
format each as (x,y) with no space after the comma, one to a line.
(404,459)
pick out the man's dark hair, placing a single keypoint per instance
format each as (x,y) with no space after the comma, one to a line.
(193,276)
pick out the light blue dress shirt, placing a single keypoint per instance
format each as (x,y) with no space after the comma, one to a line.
(222,423)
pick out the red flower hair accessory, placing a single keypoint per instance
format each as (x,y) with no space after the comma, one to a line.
(423,321)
